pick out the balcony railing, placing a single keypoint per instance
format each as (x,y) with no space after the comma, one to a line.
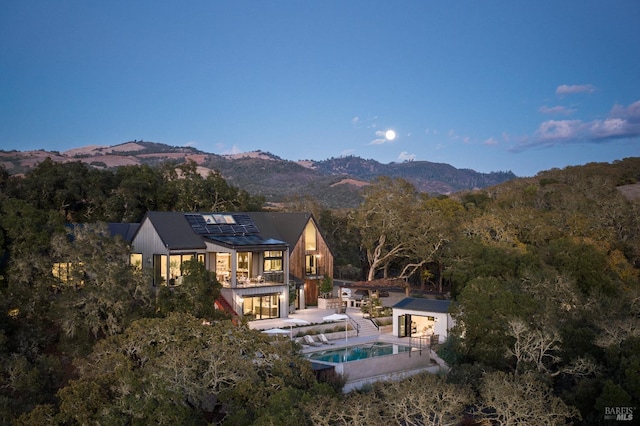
(265,279)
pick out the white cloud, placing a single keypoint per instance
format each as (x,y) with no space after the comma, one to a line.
(381,138)
(491,141)
(230,151)
(347,152)
(573,89)
(191,144)
(355,119)
(556,110)
(405,156)
(623,122)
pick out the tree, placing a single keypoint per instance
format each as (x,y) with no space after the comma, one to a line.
(175,370)
(99,292)
(384,220)
(521,400)
(196,294)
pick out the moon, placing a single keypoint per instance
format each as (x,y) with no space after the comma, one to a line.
(390,135)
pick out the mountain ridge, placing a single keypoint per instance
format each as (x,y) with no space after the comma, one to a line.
(336,182)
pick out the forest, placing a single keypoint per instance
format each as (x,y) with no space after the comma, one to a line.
(544,273)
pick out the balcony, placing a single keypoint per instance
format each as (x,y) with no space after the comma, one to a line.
(265,279)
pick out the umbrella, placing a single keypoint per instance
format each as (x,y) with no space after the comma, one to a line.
(339,317)
(297,321)
(274,331)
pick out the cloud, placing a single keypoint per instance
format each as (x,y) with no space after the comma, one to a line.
(229,151)
(381,138)
(347,152)
(405,156)
(623,122)
(355,120)
(566,89)
(491,141)
(191,144)
(556,110)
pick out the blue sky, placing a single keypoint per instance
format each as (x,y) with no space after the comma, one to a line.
(487,85)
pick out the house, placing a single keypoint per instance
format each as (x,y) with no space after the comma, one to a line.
(249,252)
(310,258)
(417,317)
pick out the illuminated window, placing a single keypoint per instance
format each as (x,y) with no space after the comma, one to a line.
(273,261)
(310,237)
(68,273)
(135,260)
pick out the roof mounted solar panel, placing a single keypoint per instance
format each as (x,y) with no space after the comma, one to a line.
(222,224)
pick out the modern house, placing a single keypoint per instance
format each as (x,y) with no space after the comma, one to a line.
(252,255)
(422,318)
(310,258)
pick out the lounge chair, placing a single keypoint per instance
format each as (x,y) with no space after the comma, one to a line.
(309,340)
(326,341)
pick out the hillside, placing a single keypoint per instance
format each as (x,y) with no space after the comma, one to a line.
(336,182)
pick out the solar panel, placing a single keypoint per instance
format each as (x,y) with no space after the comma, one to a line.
(222,224)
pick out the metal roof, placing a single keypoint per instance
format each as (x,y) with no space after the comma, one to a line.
(125,230)
(181,231)
(423,305)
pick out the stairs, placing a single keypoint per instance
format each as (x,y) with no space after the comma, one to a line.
(365,326)
(222,304)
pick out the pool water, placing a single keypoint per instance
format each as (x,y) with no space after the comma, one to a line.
(358,352)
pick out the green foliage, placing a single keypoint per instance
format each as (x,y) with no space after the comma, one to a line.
(175,370)
(326,286)
(194,296)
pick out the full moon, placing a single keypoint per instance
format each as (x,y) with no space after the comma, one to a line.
(390,135)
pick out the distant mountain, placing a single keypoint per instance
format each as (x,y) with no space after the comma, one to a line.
(336,182)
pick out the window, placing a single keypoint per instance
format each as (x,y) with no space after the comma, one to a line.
(176,262)
(160,269)
(223,267)
(262,307)
(273,261)
(135,260)
(68,273)
(311,264)
(310,237)
(244,261)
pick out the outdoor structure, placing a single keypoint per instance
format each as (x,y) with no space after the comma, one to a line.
(265,261)
(422,318)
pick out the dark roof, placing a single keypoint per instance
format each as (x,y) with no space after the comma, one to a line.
(124,230)
(423,305)
(287,227)
(180,230)
(175,231)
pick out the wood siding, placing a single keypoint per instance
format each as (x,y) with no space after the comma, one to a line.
(297,266)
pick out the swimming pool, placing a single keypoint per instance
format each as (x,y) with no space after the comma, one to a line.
(358,352)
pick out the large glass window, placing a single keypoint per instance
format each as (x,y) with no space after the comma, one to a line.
(262,307)
(310,237)
(223,267)
(273,261)
(244,260)
(176,269)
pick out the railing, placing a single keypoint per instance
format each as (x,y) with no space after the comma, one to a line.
(420,342)
(266,279)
